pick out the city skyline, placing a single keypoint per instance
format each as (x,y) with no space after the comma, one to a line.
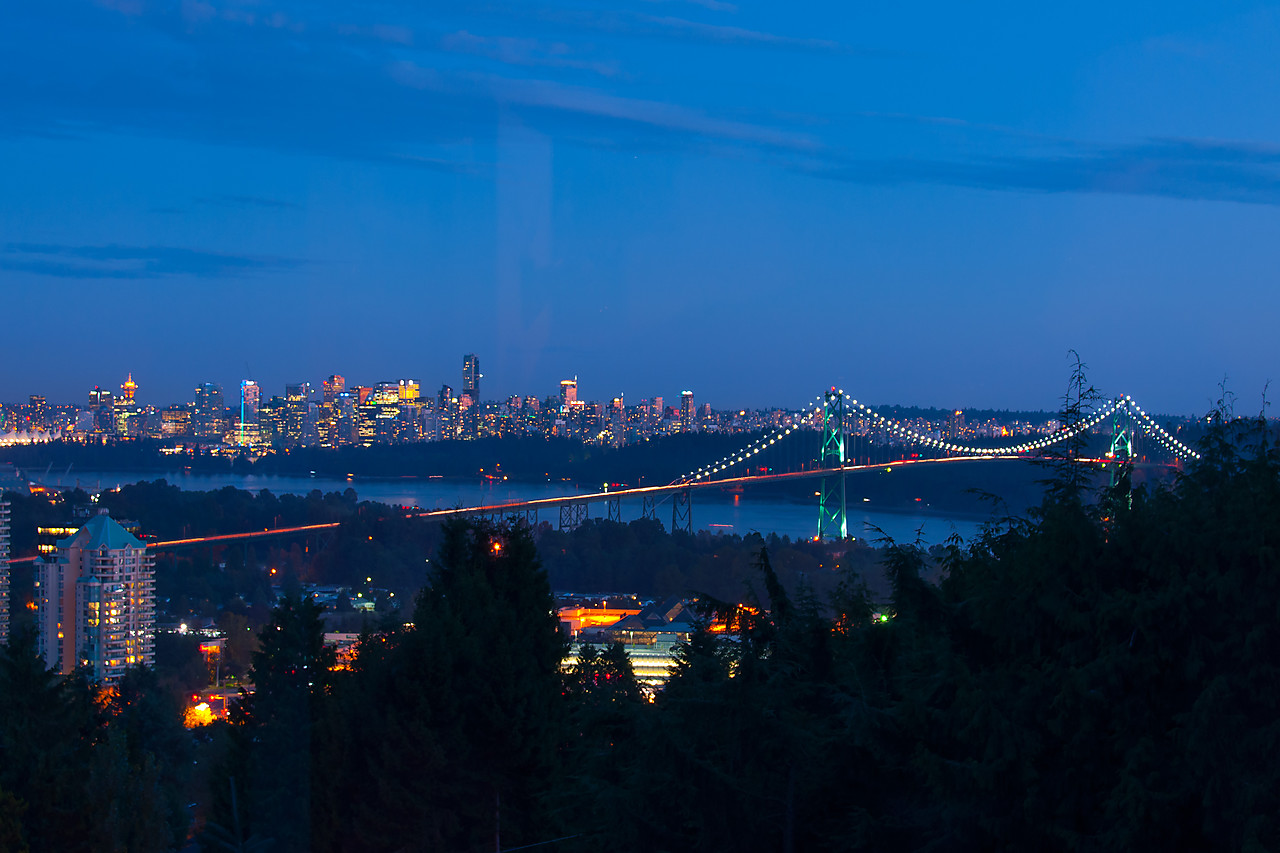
(232,389)
(926,205)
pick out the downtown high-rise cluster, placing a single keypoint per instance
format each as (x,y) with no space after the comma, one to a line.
(338,413)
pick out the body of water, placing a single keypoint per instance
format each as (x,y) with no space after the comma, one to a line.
(717,513)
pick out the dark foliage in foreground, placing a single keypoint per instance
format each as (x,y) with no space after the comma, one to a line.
(1104,675)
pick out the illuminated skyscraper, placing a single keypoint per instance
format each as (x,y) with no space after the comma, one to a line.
(346,418)
(409,390)
(37,412)
(102,404)
(250,401)
(295,396)
(327,416)
(568,392)
(333,386)
(687,419)
(446,414)
(95,599)
(4,573)
(208,412)
(471,376)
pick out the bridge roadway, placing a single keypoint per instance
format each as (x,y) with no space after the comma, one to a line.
(516,507)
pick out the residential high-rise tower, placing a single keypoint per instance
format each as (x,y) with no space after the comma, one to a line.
(95,600)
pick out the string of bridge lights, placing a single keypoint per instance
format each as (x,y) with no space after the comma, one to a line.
(751,449)
(1148,425)
(1153,429)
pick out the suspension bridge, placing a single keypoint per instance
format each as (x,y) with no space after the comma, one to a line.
(836,417)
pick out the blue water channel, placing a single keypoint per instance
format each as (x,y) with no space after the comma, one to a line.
(717,513)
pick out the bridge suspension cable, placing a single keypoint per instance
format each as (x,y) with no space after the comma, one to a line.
(751,449)
(1149,426)
(913,436)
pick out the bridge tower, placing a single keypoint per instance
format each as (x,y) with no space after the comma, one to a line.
(1121,450)
(832,521)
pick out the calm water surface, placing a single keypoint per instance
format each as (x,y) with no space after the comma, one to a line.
(716,513)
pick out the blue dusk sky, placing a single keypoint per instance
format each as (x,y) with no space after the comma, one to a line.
(924,203)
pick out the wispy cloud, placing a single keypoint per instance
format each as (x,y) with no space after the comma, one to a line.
(696,30)
(133,262)
(1208,170)
(524,51)
(584,101)
(246,201)
(713,5)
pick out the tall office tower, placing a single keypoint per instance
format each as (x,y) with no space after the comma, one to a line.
(37,412)
(273,417)
(208,412)
(327,419)
(102,405)
(346,418)
(653,414)
(250,401)
(332,387)
(618,420)
(686,411)
(446,414)
(471,376)
(568,392)
(4,573)
(295,396)
(95,601)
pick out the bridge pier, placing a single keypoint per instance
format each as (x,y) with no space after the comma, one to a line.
(615,509)
(649,511)
(572,515)
(682,511)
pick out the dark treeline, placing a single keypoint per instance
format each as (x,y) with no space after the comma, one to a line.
(1098,675)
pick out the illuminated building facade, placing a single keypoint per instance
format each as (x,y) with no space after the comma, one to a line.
(327,414)
(446,420)
(687,418)
(568,393)
(175,421)
(37,412)
(346,418)
(4,573)
(128,418)
(471,376)
(95,601)
(209,411)
(295,396)
(102,405)
(332,387)
(250,401)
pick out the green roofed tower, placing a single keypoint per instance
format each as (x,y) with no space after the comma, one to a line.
(96,601)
